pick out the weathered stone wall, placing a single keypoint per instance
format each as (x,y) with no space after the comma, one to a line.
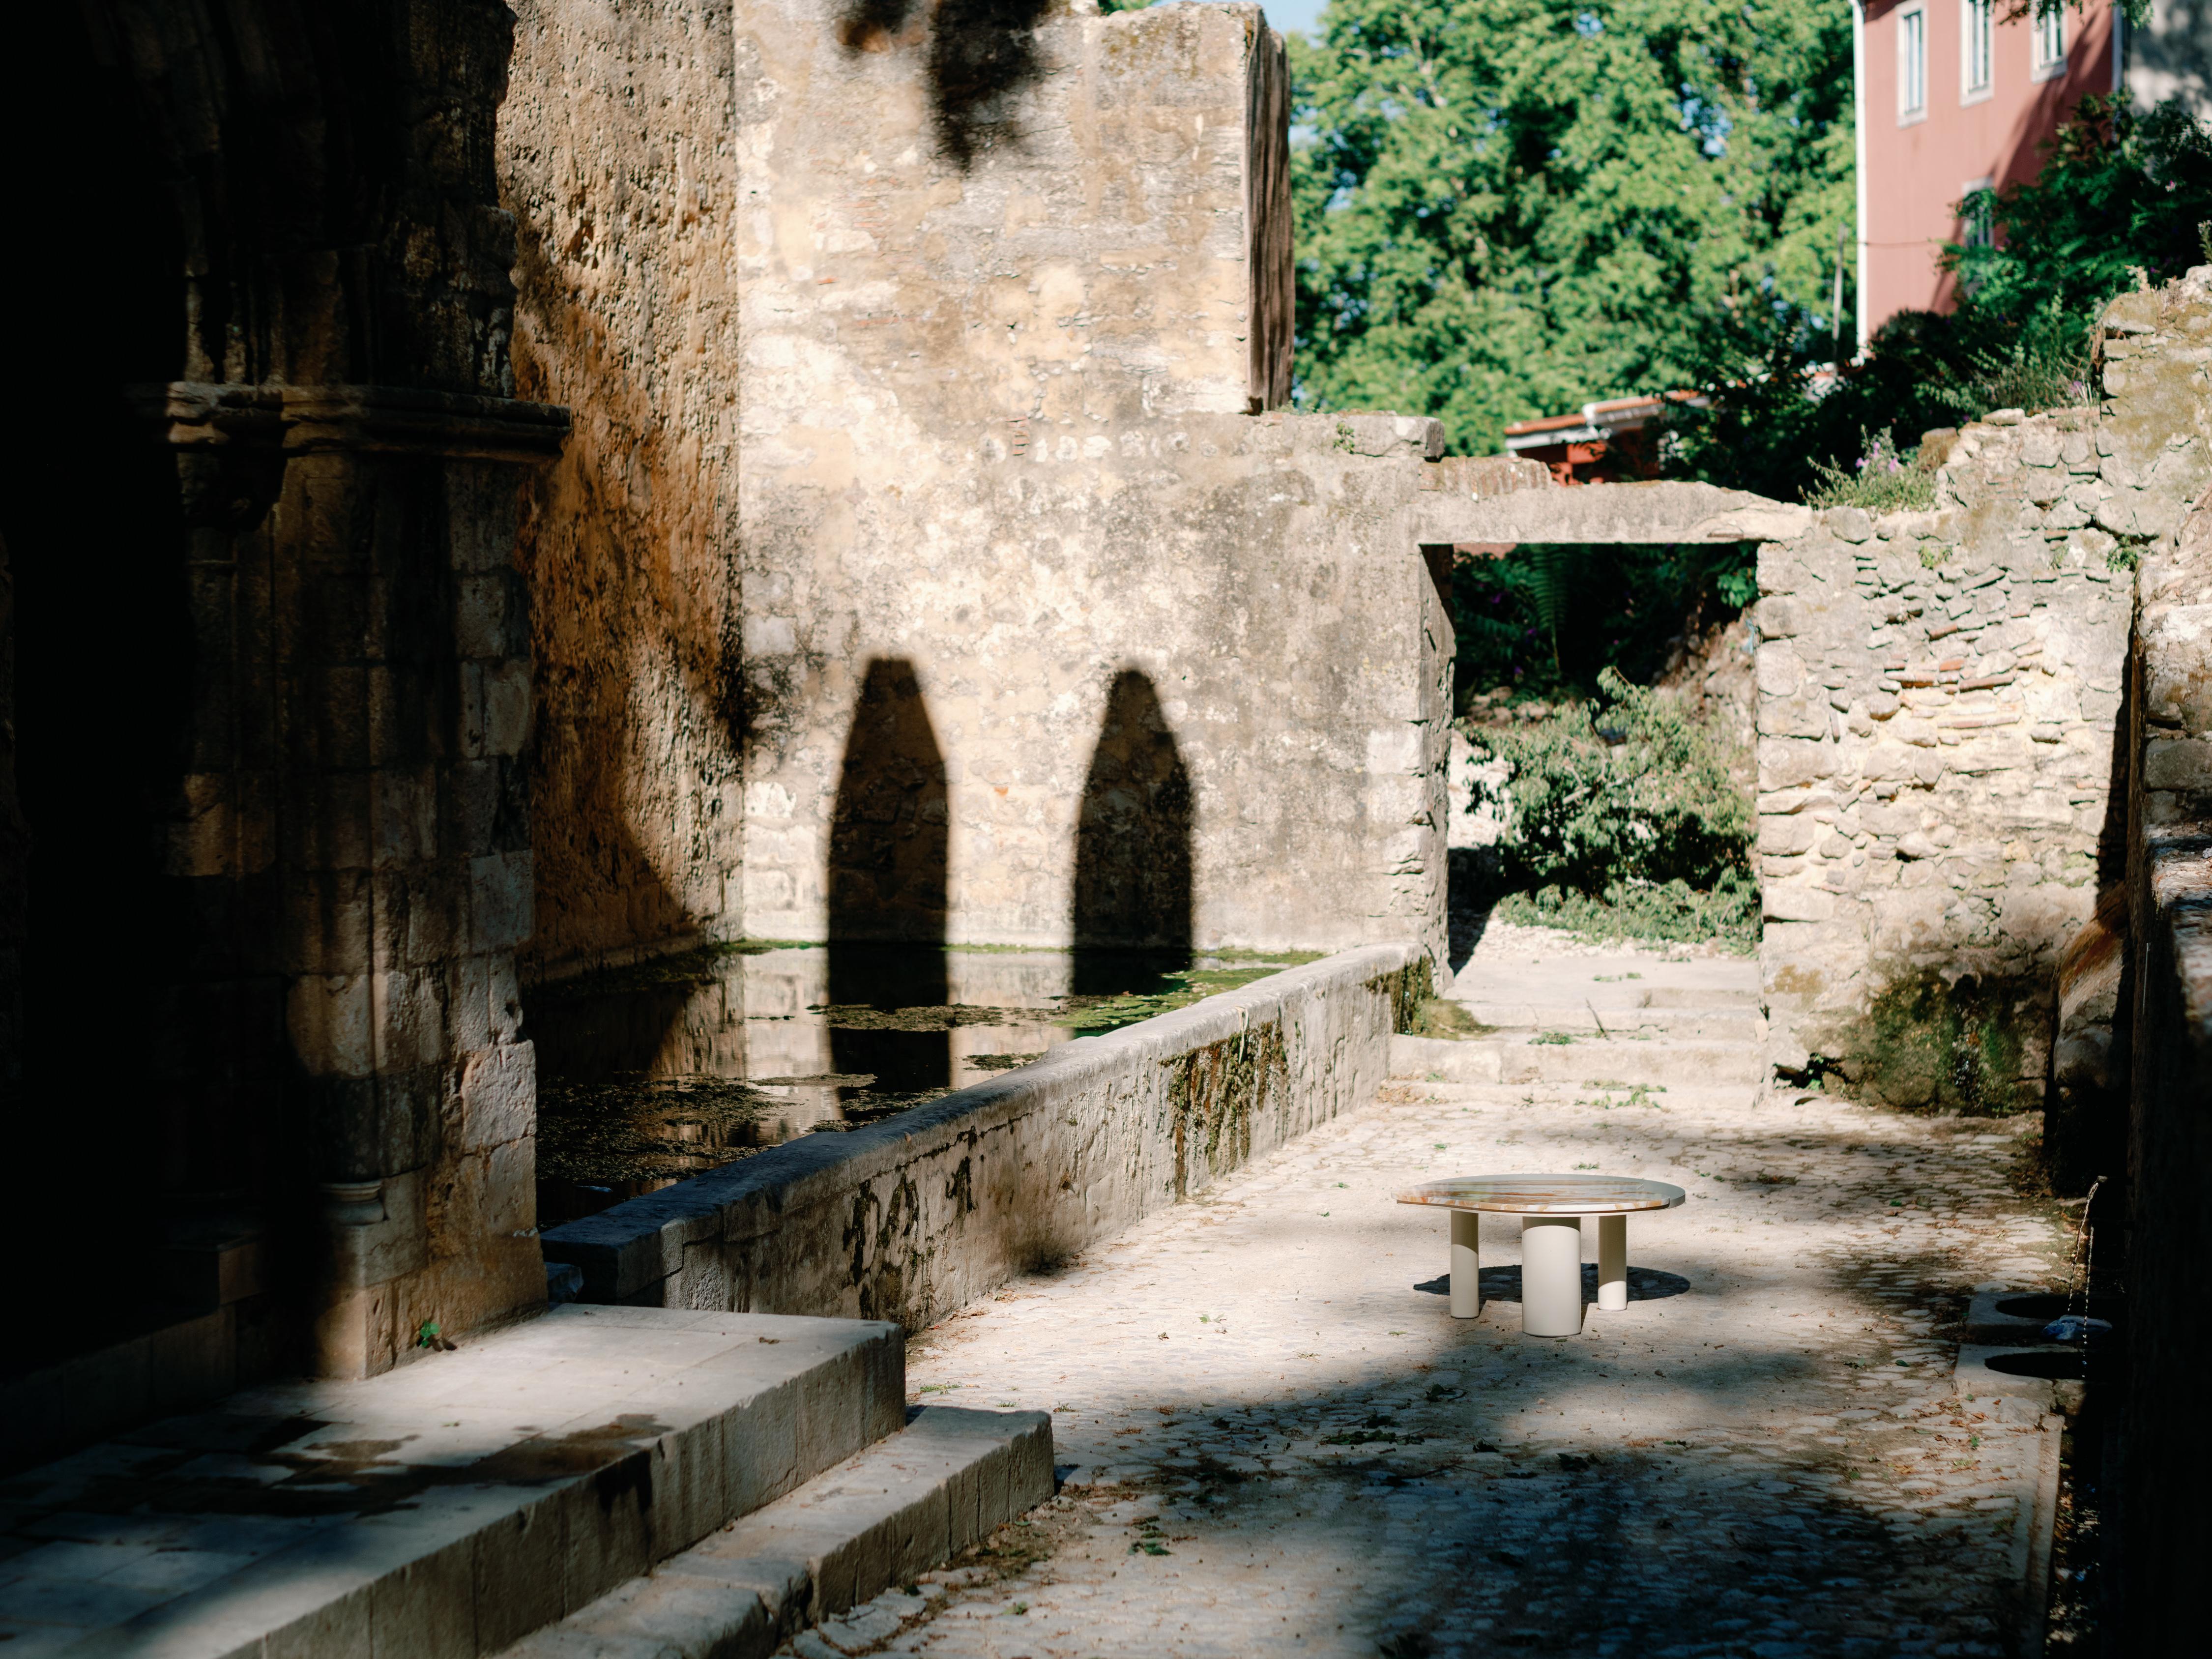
(1936,698)
(1939,694)
(616,158)
(314,689)
(2168,1040)
(913,1216)
(1003,510)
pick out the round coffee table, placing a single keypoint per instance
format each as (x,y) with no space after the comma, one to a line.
(1551,1208)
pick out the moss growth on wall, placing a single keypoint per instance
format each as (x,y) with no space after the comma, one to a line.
(1957,1047)
(1214,1095)
(1408,990)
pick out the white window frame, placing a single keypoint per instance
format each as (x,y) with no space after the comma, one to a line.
(1911,75)
(1978,25)
(1978,233)
(2047,44)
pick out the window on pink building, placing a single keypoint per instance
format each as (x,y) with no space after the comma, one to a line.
(1977,53)
(2049,34)
(1911,64)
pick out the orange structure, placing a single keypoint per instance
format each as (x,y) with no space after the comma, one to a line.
(1610,441)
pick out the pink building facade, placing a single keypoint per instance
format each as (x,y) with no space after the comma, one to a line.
(1953,98)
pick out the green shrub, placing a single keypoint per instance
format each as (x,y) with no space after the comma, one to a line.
(1885,480)
(1626,821)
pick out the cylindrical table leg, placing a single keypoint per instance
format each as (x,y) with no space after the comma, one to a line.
(1552,1275)
(1613,1262)
(1466,1264)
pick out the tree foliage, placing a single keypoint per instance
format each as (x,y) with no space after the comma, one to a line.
(1507,207)
(1623,817)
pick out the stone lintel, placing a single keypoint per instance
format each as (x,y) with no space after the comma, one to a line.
(1608,513)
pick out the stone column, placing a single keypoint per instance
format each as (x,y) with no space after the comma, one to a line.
(362,701)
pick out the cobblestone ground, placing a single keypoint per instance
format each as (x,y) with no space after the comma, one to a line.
(1282,1443)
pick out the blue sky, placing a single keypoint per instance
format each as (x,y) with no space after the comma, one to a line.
(1288,14)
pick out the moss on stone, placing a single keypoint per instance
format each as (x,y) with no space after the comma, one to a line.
(1955,1045)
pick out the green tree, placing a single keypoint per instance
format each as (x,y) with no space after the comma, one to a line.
(1506,206)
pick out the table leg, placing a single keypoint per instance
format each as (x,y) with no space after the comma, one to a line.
(1613,1262)
(1466,1264)
(1552,1275)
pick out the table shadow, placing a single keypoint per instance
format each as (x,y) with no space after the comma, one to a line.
(1503,1284)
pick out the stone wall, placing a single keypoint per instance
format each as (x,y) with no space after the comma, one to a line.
(301,866)
(1939,699)
(1023,586)
(2167,1036)
(616,159)
(913,1216)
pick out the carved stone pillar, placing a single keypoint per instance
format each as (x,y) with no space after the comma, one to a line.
(355,797)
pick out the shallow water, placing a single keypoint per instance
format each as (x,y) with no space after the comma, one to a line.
(650,1074)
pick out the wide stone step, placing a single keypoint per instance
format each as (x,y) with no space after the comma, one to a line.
(903,1506)
(1583,1062)
(449,1507)
(1707,1023)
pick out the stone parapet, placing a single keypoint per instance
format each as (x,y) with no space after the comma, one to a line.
(911,1218)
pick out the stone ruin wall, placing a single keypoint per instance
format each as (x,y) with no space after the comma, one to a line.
(616,159)
(1003,502)
(1001,489)
(1939,702)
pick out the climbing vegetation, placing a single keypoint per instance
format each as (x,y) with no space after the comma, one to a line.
(2123,198)
(1624,819)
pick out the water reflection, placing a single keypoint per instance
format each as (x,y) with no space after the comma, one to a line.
(649,1074)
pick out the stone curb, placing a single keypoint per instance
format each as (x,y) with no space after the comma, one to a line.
(906,1504)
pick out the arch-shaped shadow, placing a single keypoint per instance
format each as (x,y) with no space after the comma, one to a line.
(1503,1284)
(1133,845)
(889,842)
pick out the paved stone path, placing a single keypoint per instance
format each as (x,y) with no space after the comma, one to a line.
(1283,1443)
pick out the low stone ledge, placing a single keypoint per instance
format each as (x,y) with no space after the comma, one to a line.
(913,1216)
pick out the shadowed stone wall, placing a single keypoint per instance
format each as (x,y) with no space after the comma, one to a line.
(616,158)
(308,799)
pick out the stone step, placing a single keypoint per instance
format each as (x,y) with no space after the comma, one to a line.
(905,1505)
(1586,1061)
(449,1507)
(1715,1024)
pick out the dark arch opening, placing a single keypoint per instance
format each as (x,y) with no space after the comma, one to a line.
(1133,845)
(888,841)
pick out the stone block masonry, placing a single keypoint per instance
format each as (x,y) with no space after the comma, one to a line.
(914,1216)
(1939,699)
(614,159)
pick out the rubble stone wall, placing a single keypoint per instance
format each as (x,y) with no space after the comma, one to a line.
(1939,716)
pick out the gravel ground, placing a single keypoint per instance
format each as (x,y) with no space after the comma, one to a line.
(1279,1441)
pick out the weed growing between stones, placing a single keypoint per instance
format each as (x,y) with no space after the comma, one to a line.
(1434,1017)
